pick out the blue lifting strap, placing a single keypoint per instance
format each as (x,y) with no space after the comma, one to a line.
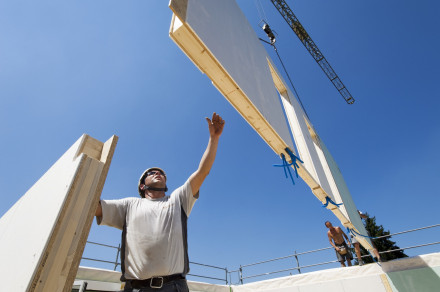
(356,233)
(328,200)
(294,159)
(286,165)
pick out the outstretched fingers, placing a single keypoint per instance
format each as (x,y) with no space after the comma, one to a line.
(216,124)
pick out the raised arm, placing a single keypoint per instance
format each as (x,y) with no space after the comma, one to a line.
(215,125)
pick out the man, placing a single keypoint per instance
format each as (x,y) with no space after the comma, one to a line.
(336,235)
(357,246)
(154,252)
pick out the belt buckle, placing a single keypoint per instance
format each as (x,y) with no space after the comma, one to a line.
(154,286)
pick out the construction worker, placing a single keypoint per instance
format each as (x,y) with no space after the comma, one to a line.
(154,252)
(357,246)
(336,238)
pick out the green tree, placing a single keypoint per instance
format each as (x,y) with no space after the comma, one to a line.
(381,244)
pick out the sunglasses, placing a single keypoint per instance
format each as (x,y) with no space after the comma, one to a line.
(154,172)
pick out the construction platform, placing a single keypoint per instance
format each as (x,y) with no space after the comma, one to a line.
(418,273)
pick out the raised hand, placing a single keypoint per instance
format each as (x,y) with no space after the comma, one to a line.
(215,124)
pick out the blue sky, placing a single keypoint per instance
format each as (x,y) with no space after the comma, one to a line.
(109,67)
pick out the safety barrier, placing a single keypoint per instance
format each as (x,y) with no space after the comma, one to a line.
(239,272)
(241,277)
(117,263)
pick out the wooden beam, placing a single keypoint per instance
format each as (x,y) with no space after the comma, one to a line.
(194,48)
(179,7)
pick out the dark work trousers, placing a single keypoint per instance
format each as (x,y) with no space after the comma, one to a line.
(179,285)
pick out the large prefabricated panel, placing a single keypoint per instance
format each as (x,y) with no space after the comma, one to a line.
(217,37)
(342,194)
(319,162)
(43,235)
(303,138)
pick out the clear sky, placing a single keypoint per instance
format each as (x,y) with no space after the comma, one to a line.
(109,67)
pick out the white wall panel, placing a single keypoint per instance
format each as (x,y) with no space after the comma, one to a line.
(241,54)
(304,142)
(318,160)
(226,48)
(342,194)
(43,235)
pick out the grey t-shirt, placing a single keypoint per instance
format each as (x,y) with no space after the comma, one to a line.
(155,235)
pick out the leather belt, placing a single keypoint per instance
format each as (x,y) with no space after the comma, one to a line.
(155,282)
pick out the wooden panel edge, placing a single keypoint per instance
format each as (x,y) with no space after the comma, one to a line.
(55,231)
(179,8)
(175,36)
(71,227)
(275,142)
(106,157)
(386,283)
(82,143)
(91,147)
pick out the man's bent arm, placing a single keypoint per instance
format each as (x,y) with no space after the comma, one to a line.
(215,130)
(330,239)
(346,237)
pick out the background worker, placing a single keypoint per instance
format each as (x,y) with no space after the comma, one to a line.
(336,238)
(154,252)
(357,246)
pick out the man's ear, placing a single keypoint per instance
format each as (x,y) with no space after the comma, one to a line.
(142,187)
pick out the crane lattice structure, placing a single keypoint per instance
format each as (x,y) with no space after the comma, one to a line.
(304,37)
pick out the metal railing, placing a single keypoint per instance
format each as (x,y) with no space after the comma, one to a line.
(116,263)
(212,278)
(298,268)
(239,271)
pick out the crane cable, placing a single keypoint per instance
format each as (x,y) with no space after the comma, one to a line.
(288,76)
(263,19)
(260,10)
